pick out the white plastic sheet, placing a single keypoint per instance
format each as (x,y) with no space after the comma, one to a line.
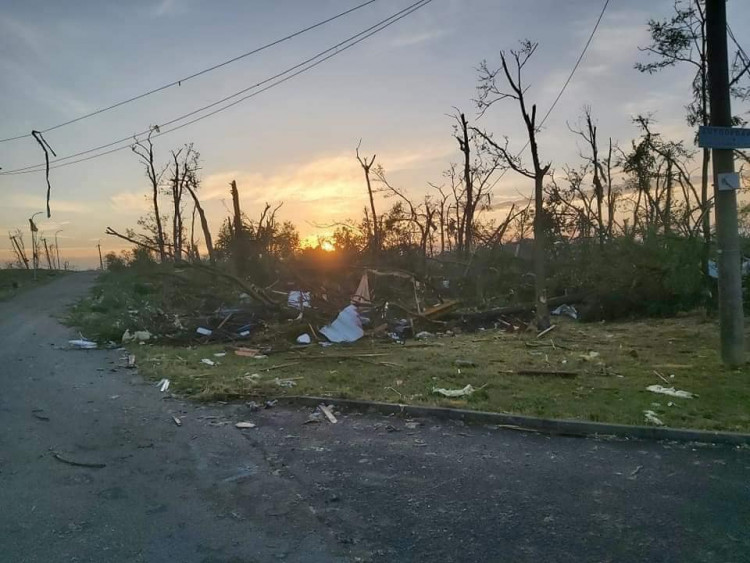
(347,327)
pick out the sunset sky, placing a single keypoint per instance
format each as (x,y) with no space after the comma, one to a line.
(295,143)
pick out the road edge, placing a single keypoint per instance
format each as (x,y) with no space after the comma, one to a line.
(554,426)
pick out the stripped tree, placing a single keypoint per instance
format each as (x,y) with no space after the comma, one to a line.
(489,93)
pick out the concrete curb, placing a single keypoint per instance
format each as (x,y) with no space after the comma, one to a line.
(545,425)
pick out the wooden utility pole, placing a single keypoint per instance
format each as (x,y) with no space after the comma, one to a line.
(101,262)
(240,246)
(731,315)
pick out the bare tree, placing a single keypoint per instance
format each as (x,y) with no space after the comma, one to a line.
(376,234)
(681,40)
(489,93)
(420,216)
(145,150)
(192,185)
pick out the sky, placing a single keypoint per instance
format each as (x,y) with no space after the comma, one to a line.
(296,142)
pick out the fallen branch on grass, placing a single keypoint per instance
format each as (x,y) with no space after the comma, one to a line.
(495,314)
(558,373)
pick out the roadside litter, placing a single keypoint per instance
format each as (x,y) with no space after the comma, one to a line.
(651,418)
(163,385)
(208,362)
(82,344)
(137,336)
(177,421)
(326,410)
(243,425)
(671,391)
(565,310)
(468,390)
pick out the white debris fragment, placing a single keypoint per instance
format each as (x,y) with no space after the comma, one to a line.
(347,327)
(220,354)
(468,390)
(204,331)
(285,382)
(208,362)
(304,339)
(423,334)
(163,385)
(82,344)
(245,425)
(671,391)
(326,410)
(137,336)
(652,418)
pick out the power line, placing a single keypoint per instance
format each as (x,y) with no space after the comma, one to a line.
(196,74)
(564,86)
(303,67)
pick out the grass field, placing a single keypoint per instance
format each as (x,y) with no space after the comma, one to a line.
(14,281)
(614,363)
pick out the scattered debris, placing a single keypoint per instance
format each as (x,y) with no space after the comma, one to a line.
(252,406)
(299,300)
(326,410)
(288,383)
(131,361)
(558,373)
(635,471)
(412,425)
(204,331)
(272,403)
(82,344)
(314,417)
(163,385)
(589,356)
(304,339)
(245,425)
(220,354)
(660,376)
(566,310)
(546,330)
(137,336)
(248,352)
(347,327)
(208,362)
(652,418)
(177,421)
(424,334)
(468,390)
(59,457)
(671,391)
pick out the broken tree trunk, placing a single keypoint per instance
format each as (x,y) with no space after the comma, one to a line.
(239,250)
(494,314)
(204,223)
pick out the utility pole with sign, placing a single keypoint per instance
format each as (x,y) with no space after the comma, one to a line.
(723,139)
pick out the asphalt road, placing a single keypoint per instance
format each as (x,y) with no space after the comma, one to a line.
(369,488)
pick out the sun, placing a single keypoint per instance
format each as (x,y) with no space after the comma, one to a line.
(327,245)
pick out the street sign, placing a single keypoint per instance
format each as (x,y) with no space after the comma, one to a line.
(723,137)
(729,181)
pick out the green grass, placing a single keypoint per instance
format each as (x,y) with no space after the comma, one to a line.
(14,281)
(609,388)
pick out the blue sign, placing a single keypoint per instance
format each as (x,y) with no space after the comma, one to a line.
(723,138)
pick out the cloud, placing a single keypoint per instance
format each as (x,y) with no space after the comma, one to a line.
(130,201)
(38,203)
(417,38)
